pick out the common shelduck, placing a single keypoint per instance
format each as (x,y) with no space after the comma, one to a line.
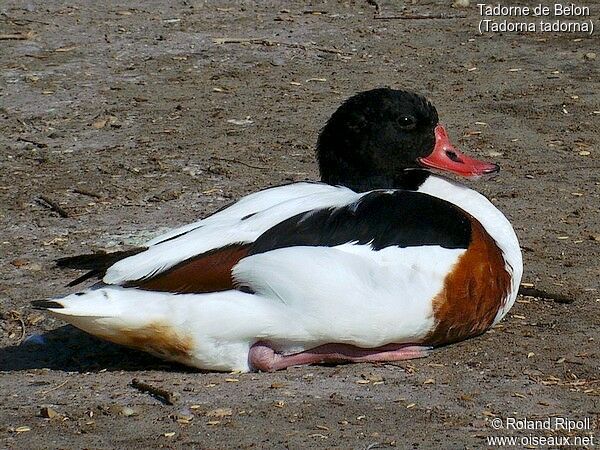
(380,261)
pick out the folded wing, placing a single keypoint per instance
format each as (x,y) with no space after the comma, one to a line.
(187,252)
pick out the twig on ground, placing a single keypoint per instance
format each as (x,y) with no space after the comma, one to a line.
(31,141)
(16,21)
(55,387)
(539,293)
(160,394)
(271,43)
(421,16)
(16,316)
(16,36)
(28,55)
(87,193)
(22,323)
(218,158)
(54,206)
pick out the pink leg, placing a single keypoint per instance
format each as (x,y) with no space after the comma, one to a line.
(262,356)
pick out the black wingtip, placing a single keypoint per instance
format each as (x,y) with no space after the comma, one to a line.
(83,277)
(87,262)
(46,304)
(96,261)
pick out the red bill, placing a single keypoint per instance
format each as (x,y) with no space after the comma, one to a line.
(446,157)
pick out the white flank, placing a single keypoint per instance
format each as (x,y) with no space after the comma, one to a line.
(349,293)
(305,297)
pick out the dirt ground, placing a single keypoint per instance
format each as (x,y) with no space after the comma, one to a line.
(134,118)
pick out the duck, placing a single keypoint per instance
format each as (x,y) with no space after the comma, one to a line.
(382,260)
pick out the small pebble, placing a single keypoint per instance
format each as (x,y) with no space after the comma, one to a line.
(128,412)
(461,3)
(48,413)
(220,412)
(19,262)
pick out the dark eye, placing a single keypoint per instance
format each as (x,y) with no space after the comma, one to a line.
(407,122)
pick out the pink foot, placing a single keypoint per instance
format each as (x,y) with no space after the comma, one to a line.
(262,356)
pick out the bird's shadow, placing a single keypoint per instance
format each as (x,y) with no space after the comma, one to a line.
(70,349)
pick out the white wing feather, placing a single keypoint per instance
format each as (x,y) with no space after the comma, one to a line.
(250,204)
(226,227)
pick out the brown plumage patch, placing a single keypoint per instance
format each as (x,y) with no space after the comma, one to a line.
(209,272)
(473,292)
(156,338)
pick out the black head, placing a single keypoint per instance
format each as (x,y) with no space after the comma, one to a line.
(376,135)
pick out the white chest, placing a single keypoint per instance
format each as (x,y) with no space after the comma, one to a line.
(494,222)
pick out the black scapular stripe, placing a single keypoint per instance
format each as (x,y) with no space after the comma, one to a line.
(382,218)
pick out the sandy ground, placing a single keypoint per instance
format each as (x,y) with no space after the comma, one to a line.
(119,112)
